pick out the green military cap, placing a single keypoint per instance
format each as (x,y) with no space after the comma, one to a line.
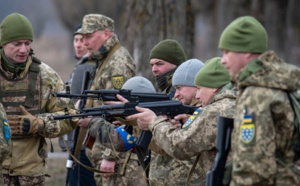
(213,74)
(244,34)
(93,22)
(168,50)
(15,27)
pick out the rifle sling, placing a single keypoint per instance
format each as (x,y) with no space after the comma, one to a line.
(193,168)
(83,165)
(89,104)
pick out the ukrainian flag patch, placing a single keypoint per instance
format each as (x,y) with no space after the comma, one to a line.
(191,118)
(6,130)
(247,129)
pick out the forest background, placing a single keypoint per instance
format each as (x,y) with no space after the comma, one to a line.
(140,24)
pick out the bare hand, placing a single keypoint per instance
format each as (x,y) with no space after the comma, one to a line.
(120,98)
(144,117)
(182,118)
(176,123)
(84,122)
(107,166)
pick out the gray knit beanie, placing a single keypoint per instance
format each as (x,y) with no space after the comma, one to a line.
(186,72)
(139,84)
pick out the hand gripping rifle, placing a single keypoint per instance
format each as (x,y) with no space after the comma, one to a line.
(170,108)
(214,177)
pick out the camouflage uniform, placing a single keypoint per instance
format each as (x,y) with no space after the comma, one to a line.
(4,139)
(262,140)
(197,137)
(29,153)
(109,137)
(118,68)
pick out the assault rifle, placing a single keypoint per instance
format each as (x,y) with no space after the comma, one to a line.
(110,95)
(214,177)
(170,108)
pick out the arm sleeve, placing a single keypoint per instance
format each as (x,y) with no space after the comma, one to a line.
(51,82)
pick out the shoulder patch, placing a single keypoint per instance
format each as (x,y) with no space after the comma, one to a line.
(6,130)
(191,118)
(118,81)
(247,129)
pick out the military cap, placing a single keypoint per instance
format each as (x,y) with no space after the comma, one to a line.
(213,74)
(93,22)
(170,51)
(244,34)
(15,27)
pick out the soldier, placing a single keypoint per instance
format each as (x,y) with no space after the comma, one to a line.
(77,175)
(110,136)
(114,66)
(165,57)
(5,138)
(262,140)
(198,134)
(185,91)
(26,84)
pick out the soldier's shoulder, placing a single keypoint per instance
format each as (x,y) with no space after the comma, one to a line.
(48,73)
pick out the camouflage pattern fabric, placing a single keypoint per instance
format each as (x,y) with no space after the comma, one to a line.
(33,150)
(264,123)
(5,137)
(24,180)
(93,22)
(118,69)
(196,138)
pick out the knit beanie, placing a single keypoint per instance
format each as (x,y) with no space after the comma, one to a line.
(139,84)
(15,27)
(244,34)
(213,74)
(170,51)
(186,72)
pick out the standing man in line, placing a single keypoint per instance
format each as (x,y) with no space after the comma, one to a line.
(77,175)
(114,65)
(26,84)
(263,136)
(198,134)
(165,57)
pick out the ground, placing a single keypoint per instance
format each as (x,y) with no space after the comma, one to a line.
(56,166)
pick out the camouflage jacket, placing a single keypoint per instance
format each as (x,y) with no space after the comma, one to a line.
(264,123)
(198,135)
(28,154)
(118,69)
(4,138)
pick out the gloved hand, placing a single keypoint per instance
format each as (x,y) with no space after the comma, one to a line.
(25,124)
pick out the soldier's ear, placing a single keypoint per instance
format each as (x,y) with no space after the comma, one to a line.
(107,33)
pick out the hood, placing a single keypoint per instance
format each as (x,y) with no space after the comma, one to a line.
(269,71)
